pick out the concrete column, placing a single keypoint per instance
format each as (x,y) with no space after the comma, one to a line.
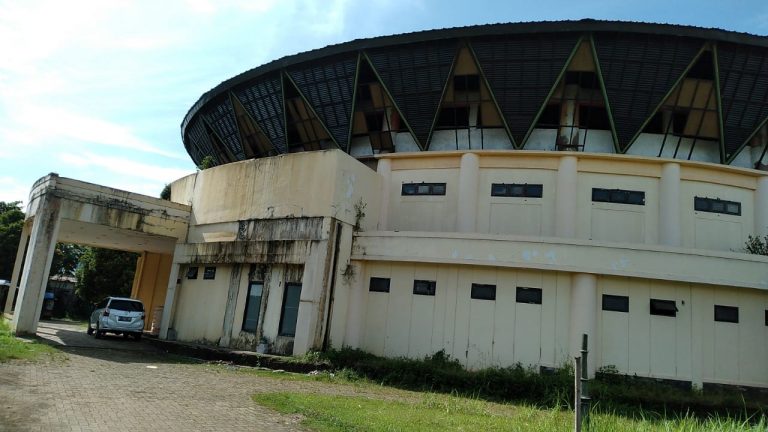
(566,199)
(761,207)
(356,308)
(669,205)
(314,290)
(469,178)
(37,265)
(229,309)
(584,316)
(17,267)
(384,168)
(170,299)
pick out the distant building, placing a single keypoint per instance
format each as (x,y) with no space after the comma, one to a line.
(491,191)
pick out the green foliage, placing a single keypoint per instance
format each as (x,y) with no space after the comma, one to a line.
(756,245)
(104,272)
(11,223)
(166,192)
(14,348)
(66,257)
(379,410)
(207,162)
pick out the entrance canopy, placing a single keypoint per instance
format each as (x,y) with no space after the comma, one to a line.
(72,211)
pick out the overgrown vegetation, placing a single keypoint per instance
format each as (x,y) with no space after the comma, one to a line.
(447,413)
(554,389)
(207,162)
(104,272)
(14,348)
(756,245)
(11,223)
(166,192)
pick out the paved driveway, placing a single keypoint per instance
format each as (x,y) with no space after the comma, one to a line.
(116,384)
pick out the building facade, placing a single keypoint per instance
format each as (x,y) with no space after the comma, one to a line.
(493,192)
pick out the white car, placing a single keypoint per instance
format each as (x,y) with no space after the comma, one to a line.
(118,315)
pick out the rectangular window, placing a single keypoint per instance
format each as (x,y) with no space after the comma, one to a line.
(528,295)
(290,313)
(379,285)
(453,117)
(192,273)
(663,307)
(483,292)
(716,205)
(210,273)
(424,287)
(253,307)
(517,190)
(726,314)
(615,303)
(467,83)
(423,189)
(618,196)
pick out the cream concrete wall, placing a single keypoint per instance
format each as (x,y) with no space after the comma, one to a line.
(423,213)
(511,215)
(200,304)
(322,183)
(479,333)
(606,222)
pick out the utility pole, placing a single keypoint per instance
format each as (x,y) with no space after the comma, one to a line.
(581,389)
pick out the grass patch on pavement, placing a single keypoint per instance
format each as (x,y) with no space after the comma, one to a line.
(12,347)
(437,412)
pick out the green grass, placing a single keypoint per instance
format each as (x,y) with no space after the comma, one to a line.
(15,348)
(437,412)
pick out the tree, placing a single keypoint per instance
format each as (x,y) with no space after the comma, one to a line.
(66,257)
(104,272)
(166,193)
(11,223)
(756,245)
(207,162)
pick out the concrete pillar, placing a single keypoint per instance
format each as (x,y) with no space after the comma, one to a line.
(669,205)
(469,178)
(37,265)
(170,299)
(17,267)
(761,207)
(566,199)
(356,308)
(314,290)
(384,168)
(584,316)
(229,309)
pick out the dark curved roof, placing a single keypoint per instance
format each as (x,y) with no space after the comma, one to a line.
(260,89)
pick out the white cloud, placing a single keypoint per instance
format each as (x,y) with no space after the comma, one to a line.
(124,167)
(12,189)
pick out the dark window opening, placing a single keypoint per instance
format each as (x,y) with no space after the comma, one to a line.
(423,189)
(290,312)
(615,303)
(716,205)
(192,273)
(585,80)
(253,307)
(424,287)
(453,117)
(364,93)
(656,124)
(550,117)
(483,292)
(726,314)
(594,117)
(766,317)
(466,83)
(528,295)
(679,120)
(618,196)
(517,190)
(378,284)
(663,307)
(209,273)
(703,68)
(374,122)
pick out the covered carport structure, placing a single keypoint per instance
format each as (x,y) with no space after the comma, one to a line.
(71,211)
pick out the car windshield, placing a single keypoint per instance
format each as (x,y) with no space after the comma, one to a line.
(127,305)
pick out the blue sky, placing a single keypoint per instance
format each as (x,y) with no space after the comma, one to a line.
(96,90)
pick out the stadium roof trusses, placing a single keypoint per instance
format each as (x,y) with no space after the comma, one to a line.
(409,83)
